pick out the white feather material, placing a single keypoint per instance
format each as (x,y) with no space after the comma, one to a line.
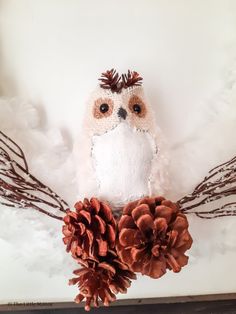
(122,161)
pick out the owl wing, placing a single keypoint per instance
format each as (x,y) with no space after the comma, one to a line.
(21,122)
(159,178)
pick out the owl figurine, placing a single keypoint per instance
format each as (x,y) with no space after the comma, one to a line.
(121,152)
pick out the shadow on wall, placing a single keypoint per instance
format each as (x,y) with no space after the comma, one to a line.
(9,87)
(7,84)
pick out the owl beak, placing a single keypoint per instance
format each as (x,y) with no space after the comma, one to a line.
(122,113)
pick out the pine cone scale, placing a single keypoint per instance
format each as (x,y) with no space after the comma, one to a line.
(129,207)
(107,212)
(172,263)
(130,237)
(180,223)
(156,250)
(102,247)
(137,254)
(82,228)
(111,235)
(86,215)
(140,211)
(164,212)
(126,222)
(161,225)
(101,224)
(145,223)
(95,204)
(154,268)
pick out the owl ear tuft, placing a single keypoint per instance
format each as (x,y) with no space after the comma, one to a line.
(111,80)
(115,82)
(132,78)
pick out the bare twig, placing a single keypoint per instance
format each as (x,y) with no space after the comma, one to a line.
(14,148)
(218,185)
(19,188)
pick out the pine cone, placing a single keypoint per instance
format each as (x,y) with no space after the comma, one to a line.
(90,230)
(101,281)
(153,236)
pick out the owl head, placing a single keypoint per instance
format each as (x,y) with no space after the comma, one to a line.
(118,99)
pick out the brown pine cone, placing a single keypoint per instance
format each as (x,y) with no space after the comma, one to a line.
(90,230)
(153,236)
(101,280)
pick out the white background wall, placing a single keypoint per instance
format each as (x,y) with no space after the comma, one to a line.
(51,54)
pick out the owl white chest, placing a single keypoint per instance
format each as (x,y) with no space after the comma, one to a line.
(122,161)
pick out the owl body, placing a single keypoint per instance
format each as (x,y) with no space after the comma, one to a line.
(121,152)
(122,161)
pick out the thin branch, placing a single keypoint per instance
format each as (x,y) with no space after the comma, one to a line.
(219,184)
(19,188)
(11,142)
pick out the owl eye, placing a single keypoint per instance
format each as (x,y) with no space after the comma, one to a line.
(137,108)
(104,108)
